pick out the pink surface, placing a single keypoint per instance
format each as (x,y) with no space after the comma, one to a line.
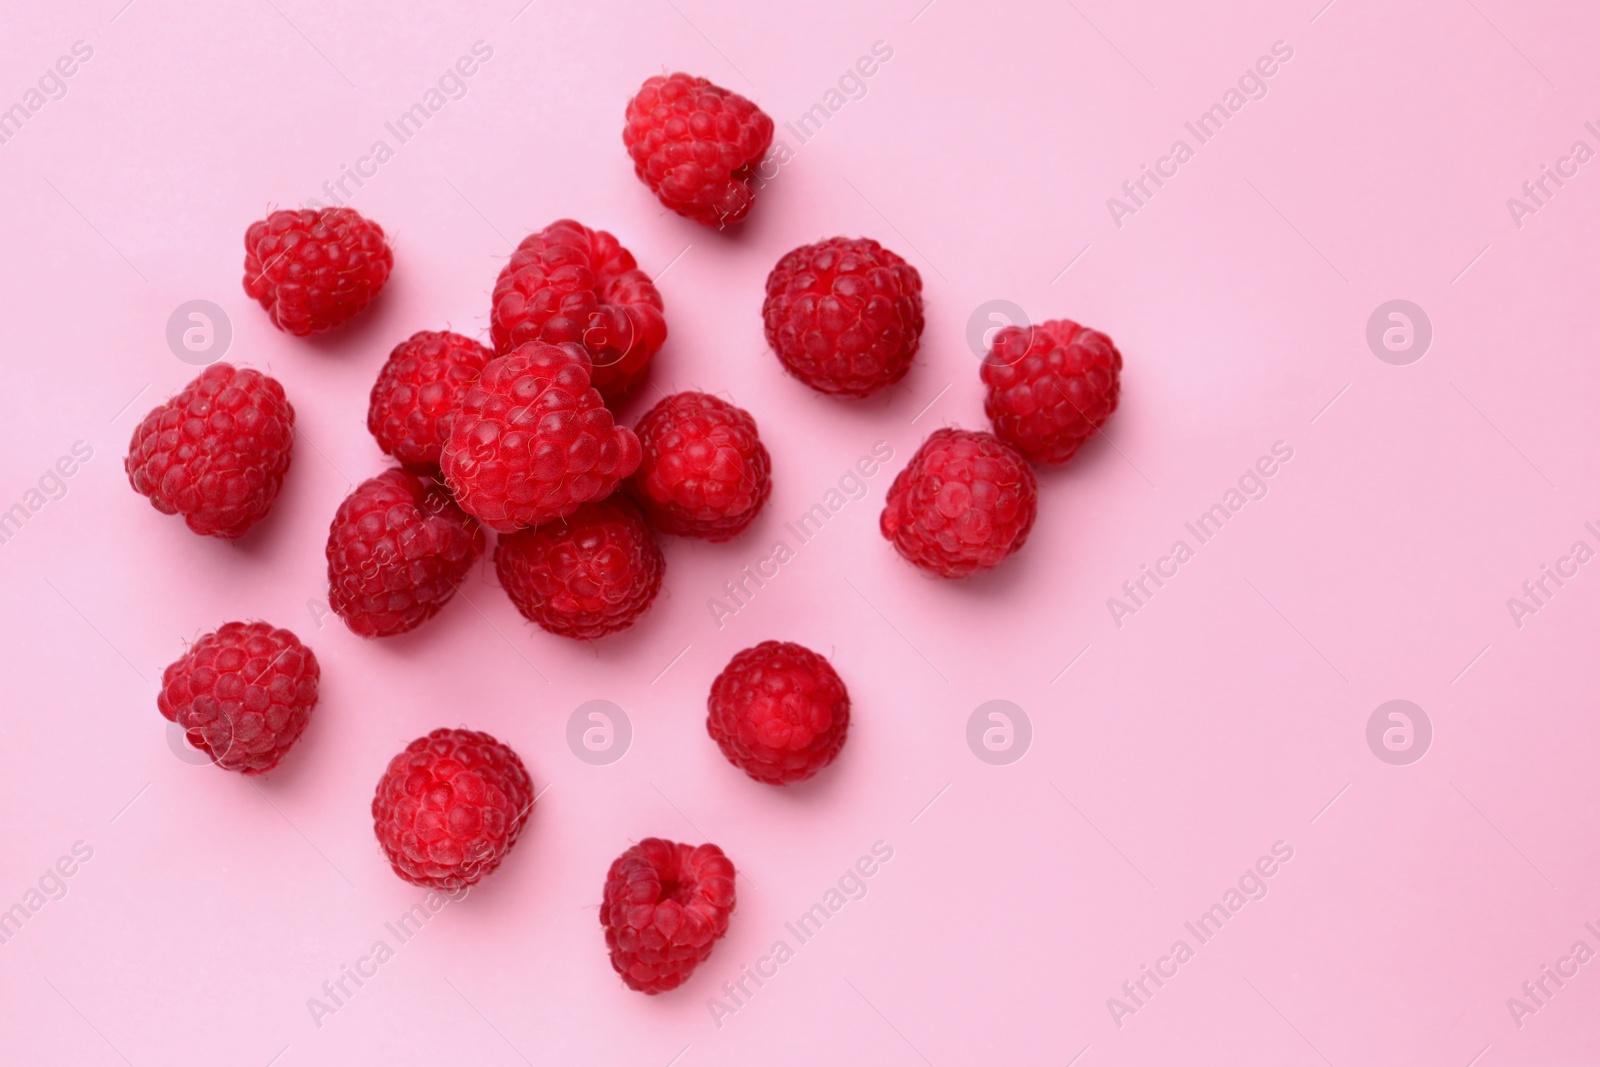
(1168,754)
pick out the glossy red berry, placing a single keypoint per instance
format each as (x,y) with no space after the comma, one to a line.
(704,471)
(965,502)
(1051,387)
(570,284)
(779,712)
(313,270)
(844,315)
(588,575)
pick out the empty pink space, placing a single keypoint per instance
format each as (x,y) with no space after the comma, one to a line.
(1275,743)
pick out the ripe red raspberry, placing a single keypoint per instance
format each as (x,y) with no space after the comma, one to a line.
(243,695)
(397,552)
(568,283)
(590,574)
(449,808)
(705,472)
(779,712)
(533,441)
(665,905)
(965,502)
(312,270)
(844,315)
(696,145)
(217,452)
(1051,386)
(417,393)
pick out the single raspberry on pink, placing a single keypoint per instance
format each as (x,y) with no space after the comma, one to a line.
(418,392)
(568,283)
(588,575)
(965,502)
(313,270)
(697,146)
(449,808)
(844,315)
(1050,387)
(665,905)
(533,440)
(779,712)
(243,695)
(397,552)
(704,471)
(217,452)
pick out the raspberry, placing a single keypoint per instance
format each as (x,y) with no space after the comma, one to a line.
(779,712)
(1051,387)
(665,905)
(417,393)
(217,452)
(313,270)
(844,315)
(696,145)
(965,502)
(568,283)
(533,441)
(396,554)
(449,808)
(589,575)
(243,695)
(705,472)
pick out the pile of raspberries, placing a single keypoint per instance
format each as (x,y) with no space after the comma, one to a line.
(518,435)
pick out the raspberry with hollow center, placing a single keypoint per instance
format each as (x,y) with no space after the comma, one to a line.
(588,575)
(696,145)
(665,905)
(417,393)
(1050,387)
(568,283)
(397,552)
(844,315)
(965,502)
(779,712)
(243,695)
(217,452)
(313,270)
(533,441)
(704,471)
(449,807)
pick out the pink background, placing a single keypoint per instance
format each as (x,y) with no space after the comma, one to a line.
(1223,717)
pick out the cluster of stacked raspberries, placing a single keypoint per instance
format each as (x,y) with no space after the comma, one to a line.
(519,436)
